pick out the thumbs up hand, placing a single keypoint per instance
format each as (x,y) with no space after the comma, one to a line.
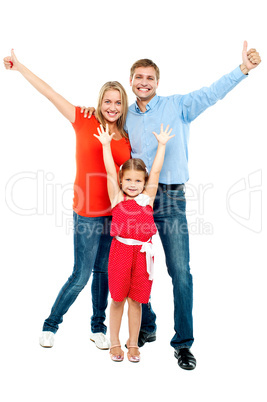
(11,62)
(251,58)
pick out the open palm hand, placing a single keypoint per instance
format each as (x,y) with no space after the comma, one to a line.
(104,137)
(164,136)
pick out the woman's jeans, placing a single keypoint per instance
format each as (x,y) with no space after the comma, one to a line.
(91,251)
(170,219)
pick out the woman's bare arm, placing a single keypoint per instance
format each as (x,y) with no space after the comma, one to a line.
(65,107)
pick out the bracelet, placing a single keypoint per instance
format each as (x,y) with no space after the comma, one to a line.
(244,69)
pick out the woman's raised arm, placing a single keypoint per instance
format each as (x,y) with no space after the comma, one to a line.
(65,107)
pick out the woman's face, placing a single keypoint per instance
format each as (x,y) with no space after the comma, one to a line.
(111,106)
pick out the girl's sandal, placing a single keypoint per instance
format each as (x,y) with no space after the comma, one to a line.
(116,357)
(133,358)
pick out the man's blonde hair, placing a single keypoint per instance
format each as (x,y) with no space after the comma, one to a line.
(145,63)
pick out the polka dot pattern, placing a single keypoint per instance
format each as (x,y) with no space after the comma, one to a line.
(127,269)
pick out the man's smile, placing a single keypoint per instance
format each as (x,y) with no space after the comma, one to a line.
(143,89)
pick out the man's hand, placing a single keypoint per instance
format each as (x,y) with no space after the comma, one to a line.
(251,59)
(87,110)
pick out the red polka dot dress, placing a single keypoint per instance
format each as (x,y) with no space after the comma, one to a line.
(127,270)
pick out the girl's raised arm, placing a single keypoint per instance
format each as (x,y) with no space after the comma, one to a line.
(65,107)
(105,138)
(152,183)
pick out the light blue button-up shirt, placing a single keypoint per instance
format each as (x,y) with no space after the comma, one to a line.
(178,111)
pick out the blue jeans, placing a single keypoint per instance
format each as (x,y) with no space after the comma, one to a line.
(91,251)
(170,219)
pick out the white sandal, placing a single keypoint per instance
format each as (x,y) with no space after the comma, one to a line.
(135,358)
(117,357)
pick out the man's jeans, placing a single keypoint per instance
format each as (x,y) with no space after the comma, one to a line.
(91,251)
(170,218)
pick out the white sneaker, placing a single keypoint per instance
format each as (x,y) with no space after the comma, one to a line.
(46,339)
(101,341)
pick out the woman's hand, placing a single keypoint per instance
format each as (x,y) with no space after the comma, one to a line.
(104,137)
(164,136)
(65,107)
(11,62)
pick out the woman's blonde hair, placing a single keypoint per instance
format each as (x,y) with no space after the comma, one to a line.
(133,164)
(113,86)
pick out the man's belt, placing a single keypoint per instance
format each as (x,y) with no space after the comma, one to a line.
(164,187)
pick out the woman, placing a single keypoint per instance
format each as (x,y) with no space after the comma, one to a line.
(91,203)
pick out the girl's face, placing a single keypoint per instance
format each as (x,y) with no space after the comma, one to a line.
(111,106)
(133,182)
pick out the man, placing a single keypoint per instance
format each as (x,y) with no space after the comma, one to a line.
(144,117)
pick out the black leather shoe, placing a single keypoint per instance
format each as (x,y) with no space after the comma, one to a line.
(146,337)
(185,359)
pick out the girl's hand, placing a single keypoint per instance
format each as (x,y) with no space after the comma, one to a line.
(104,137)
(11,62)
(164,136)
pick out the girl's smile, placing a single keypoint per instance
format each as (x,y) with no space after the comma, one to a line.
(133,182)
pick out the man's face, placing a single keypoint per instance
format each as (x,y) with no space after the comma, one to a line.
(144,83)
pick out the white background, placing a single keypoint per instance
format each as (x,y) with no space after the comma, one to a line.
(76,47)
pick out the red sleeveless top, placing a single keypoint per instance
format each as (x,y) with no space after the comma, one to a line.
(133,221)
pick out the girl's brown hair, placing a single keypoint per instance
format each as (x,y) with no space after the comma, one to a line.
(133,164)
(113,86)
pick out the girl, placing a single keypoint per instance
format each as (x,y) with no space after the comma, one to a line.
(91,207)
(131,258)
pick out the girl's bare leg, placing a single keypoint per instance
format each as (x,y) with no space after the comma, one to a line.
(134,317)
(116,312)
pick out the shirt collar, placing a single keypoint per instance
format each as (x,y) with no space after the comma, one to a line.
(150,105)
